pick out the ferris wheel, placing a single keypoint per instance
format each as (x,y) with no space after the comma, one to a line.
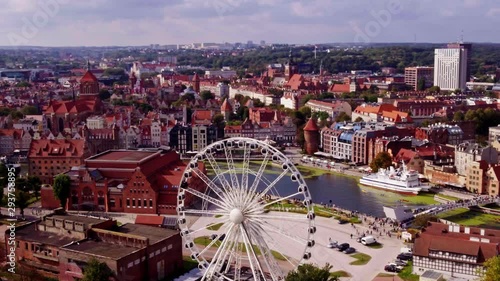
(243,226)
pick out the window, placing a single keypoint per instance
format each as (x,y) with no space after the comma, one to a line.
(128,202)
(133,202)
(150,203)
(145,203)
(26,245)
(139,203)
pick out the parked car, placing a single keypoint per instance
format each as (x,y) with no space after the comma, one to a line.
(333,244)
(359,239)
(399,267)
(391,268)
(368,240)
(349,250)
(400,262)
(405,257)
(342,247)
(342,221)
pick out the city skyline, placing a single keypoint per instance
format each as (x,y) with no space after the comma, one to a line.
(137,23)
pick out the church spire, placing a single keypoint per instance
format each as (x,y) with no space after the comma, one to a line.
(88,65)
(290,57)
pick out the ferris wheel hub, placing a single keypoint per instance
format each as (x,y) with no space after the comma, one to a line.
(236,216)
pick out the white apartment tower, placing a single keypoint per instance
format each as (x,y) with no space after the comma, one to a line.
(450,68)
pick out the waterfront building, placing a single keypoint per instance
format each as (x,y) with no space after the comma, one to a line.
(441,134)
(467,153)
(454,250)
(127,181)
(477,180)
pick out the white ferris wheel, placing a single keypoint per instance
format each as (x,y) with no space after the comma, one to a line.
(239,233)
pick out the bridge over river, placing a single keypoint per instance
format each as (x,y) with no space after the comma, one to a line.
(440,208)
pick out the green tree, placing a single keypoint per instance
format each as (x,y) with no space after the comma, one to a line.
(359,119)
(23,84)
(96,271)
(459,116)
(218,121)
(29,110)
(421,84)
(62,188)
(434,89)
(16,115)
(491,269)
(35,185)
(310,272)
(206,95)
(382,160)
(258,103)
(22,199)
(343,117)
(104,94)
(422,220)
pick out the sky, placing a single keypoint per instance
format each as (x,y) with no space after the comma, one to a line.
(144,22)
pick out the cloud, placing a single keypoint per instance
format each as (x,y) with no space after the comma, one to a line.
(142,22)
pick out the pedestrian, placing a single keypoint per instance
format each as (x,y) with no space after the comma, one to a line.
(351,235)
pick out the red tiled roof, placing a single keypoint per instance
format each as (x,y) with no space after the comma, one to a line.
(88,77)
(311,125)
(57,148)
(340,88)
(149,220)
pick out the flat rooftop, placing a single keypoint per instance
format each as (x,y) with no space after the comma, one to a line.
(30,233)
(102,249)
(154,234)
(82,219)
(122,155)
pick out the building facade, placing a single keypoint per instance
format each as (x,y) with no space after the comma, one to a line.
(413,75)
(48,158)
(454,250)
(450,68)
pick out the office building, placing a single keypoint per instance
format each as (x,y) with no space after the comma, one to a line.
(450,68)
(414,74)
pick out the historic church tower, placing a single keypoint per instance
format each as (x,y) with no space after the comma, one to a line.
(196,83)
(291,67)
(311,136)
(89,86)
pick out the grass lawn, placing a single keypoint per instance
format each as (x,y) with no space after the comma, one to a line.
(205,240)
(215,227)
(385,275)
(407,275)
(340,273)
(424,198)
(361,259)
(448,197)
(375,245)
(471,218)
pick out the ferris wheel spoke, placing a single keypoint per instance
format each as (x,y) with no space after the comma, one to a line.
(258,178)
(208,226)
(265,252)
(217,190)
(207,198)
(246,166)
(252,257)
(205,212)
(265,216)
(273,183)
(261,207)
(225,250)
(211,270)
(218,172)
(273,228)
(274,246)
(231,168)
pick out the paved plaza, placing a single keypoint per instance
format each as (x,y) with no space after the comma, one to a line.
(321,254)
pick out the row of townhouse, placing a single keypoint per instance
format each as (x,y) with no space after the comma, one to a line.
(282,132)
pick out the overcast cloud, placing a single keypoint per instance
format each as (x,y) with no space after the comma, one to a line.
(143,22)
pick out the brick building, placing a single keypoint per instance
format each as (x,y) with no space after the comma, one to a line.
(60,246)
(419,108)
(128,181)
(414,74)
(441,133)
(48,158)
(454,250)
